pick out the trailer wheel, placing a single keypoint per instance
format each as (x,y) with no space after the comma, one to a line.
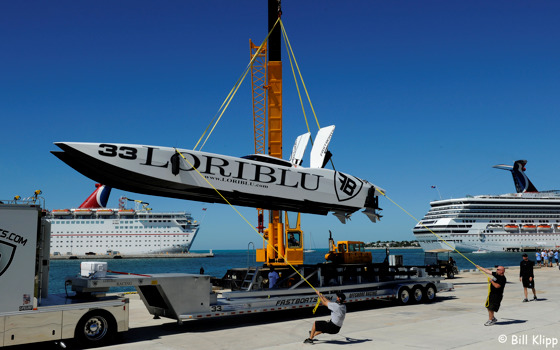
(417,294)
(430,294)
(403,296)
(96,328)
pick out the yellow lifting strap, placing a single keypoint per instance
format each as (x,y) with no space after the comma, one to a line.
(218,116)
(291,57)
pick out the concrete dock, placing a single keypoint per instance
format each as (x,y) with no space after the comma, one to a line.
(454,321)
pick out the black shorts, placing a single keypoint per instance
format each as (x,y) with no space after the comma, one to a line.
(527,283)
(326,327)
(494,301)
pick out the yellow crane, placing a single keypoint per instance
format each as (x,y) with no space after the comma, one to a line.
(281,244)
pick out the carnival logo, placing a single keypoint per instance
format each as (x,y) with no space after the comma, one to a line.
(346,186)
(7,252)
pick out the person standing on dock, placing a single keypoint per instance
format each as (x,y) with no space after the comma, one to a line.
(497,285)
(272,278)
(527,277)
(338,313)
(538,257)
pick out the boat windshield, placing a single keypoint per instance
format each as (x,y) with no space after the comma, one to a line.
(268,159)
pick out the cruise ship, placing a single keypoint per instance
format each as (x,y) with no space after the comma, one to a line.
(507,222)
(94,229)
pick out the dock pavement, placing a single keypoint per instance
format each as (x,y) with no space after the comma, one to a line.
(454,321)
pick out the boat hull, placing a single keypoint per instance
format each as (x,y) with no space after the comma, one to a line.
(207,177)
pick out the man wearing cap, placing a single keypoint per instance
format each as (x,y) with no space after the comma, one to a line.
(527,277)
(497,285)
(338,312)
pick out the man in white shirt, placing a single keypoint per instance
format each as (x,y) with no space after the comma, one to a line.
(338,312)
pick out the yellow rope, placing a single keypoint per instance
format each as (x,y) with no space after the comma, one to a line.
(441,239)
(488,297)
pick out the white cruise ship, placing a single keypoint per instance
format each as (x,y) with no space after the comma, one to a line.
(92,228)
(526,219)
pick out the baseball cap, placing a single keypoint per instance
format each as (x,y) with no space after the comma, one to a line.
(341,296)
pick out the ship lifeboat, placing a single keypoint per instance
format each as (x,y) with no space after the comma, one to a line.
(126,211)
(61,212)
(529,227)
(511,227)
(544,227)
(104,211)
(82,211)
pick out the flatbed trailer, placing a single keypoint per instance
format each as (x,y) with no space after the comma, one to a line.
(164,294)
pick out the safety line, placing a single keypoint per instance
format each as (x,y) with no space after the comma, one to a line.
(247,221)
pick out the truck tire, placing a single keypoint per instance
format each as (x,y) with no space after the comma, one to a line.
(430,293)
(96,328)
(417,294)
(450,274)
(403,296)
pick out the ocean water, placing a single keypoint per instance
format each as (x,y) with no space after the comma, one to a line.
(225,259)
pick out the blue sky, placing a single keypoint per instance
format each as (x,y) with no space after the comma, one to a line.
(422,93)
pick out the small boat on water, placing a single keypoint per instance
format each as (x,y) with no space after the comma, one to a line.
(480,251)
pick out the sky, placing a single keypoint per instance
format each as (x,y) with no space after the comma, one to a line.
(422,93)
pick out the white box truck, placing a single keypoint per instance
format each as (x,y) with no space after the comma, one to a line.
(27,313)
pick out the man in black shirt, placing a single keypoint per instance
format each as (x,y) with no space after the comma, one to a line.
(526,276)
(497,285)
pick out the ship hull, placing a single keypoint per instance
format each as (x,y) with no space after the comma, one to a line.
(133,233)
(507,222)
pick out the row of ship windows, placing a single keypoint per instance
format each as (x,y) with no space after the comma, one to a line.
(112,232)
(115,237)
(113,246)
(461,241)
(82,241)
(535,216)
(488,238)
(101,222)
(524,221)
